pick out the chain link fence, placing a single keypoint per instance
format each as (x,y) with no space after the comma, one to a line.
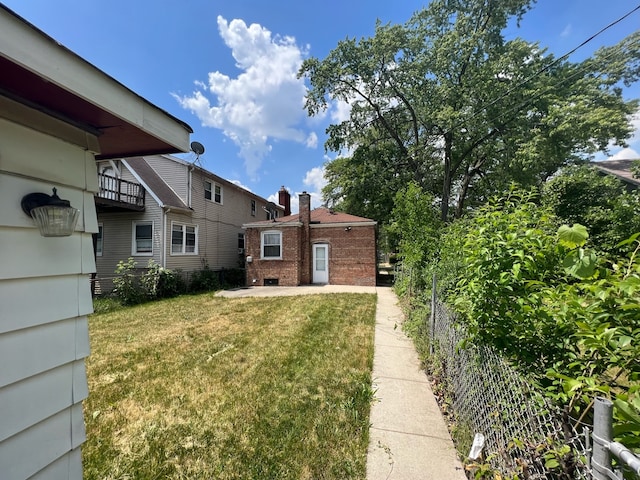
(523,435)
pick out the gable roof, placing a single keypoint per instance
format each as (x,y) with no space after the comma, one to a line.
(320,216)
(618,168)
(39,72)
(218,179)
(154,184)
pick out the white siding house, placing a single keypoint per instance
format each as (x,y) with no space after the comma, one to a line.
(52,104)
(191,218)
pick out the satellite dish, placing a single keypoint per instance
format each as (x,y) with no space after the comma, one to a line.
(197,148)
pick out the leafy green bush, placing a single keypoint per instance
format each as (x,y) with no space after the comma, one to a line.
(508,256)
(581,194)
(127,284)
(153,283)
(603,357)
(158,282)
(563,311)
(205,280)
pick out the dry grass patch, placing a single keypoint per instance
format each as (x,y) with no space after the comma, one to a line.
(202,387)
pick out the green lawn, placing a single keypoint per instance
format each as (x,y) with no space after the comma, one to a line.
(202,387)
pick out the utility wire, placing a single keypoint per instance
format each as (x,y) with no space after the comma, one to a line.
(547,67)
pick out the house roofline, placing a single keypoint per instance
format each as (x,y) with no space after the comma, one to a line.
(48,76)
(216,177)
(277,224)
(343,224)
(151,192)
(271,224)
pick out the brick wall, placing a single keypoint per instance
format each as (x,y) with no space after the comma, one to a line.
(286,271)
(352,254)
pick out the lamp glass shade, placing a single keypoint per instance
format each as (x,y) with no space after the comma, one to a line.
(55,220)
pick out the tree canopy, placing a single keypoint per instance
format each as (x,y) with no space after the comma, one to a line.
(445,101)
(581,194)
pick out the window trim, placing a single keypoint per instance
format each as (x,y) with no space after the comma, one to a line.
(100,240)
(183,252)
(210,188)
(262,244)
(134,245)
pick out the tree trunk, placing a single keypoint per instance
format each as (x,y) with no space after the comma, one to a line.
(463,194)
(446,183)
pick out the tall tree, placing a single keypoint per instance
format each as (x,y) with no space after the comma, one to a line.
(463,111)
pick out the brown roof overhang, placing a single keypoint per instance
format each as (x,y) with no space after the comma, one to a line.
(44,75)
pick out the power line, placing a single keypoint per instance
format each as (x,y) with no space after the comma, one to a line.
(545,68)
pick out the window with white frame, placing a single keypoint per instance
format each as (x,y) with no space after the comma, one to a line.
(184,239)
(212,191)
(271,244)
(99,241)
(142,238)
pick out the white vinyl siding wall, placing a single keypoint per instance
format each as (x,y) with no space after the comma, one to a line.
(173,173)
(44,299)
(117,237)
(218,225)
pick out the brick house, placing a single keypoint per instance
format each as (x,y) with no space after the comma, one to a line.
(314,246)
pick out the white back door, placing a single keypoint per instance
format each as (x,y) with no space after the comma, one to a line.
(320,263)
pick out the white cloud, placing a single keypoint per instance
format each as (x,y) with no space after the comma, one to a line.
(341,111)
(264,102)
(567,31)
(633,142)
(241,185)
(312,140)
(315,179)
(625,154)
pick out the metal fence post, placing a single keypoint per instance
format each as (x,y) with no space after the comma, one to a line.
(602,433)
(432,326)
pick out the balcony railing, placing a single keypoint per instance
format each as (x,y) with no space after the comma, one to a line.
(115,192)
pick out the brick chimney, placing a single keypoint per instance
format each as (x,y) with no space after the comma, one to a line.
(284,199)
(304,202)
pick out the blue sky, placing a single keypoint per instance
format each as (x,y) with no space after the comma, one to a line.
(228,68)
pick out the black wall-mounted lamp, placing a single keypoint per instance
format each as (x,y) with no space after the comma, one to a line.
(55,217)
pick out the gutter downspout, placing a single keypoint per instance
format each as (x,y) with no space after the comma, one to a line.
(189,184)
(165,211)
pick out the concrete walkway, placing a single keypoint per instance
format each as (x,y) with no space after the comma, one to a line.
(408,436)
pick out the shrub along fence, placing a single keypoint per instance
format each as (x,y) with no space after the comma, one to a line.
(522,435)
